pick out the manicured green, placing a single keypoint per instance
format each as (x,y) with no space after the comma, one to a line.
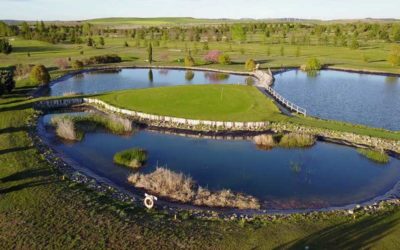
(205,102)
(133,158)
(375,155)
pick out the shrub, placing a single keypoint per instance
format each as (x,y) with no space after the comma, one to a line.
(40,75)
(394,56)
(104,59)
(189,61)
(62,63)
(77,65)
(22,70)
(5,46)
(375,155)
(212,56)
(224,59)
(7,83)
(313,64)
(134,158)
(179,187)
(250,65)
(293,140)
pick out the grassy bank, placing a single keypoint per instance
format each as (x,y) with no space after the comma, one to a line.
(374,155)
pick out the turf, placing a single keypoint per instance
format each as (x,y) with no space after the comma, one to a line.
(204,102)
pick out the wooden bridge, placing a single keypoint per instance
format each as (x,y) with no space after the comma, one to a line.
(266,79)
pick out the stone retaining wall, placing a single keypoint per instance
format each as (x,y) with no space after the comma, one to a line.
(174,122)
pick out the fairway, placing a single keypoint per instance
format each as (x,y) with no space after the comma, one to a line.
(204,102)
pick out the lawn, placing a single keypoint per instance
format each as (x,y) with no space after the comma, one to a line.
(203,102)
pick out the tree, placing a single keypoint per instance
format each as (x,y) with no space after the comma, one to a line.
(40,75)
(90,42)
(7,83)
(189,61)
(101,41)
(238,33)
(224,59)
(313,64)
(250,65)
(298,51)
(150,53)
(354,44)
(126,44)
(5,46)
(282,51)
(394,56)
(396,33)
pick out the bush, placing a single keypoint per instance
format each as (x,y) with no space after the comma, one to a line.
(313,64)
(189,61)
(5,46)
(212,56)
(224,59)
(134,158)
(7,83)
(77,64)
(62,63)
(22,70)
(375,155)
(394,56)
(104,59)
(250,65)
(40,75)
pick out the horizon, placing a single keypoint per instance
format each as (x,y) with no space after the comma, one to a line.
(56,10)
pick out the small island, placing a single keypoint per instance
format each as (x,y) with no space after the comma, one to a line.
(132,158)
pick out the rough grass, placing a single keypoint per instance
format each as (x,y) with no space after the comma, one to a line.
(179,187)
(265,141)
(204,102)
(111,122)
(65,129)
(134,158)
(375,155)
(294,140)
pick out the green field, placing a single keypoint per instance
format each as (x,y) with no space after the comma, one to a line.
(168,52)
(203,102)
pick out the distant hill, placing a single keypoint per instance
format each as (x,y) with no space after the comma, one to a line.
(164,21)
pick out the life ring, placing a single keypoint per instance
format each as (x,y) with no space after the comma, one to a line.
(149,201)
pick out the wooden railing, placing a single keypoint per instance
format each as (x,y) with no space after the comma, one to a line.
(266,79)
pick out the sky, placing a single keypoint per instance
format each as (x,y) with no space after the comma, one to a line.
(259,9)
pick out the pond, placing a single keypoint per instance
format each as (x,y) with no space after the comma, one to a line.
(110,80)
(322,176)
(372,100)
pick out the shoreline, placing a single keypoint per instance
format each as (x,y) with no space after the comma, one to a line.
(134,196)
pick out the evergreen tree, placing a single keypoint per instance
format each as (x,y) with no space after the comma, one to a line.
(7,83)
(101,41)
(5,46)
(150,53)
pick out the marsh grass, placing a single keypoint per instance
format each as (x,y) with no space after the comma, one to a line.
(265,141)
(375,155)
(179,187)
(294,140)
(65,129)
(113,123)
(134,158)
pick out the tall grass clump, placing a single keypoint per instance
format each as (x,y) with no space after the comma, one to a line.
(294,140)
(179,187)
(134,158)
(265,141)
(375,155)
(65,129)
